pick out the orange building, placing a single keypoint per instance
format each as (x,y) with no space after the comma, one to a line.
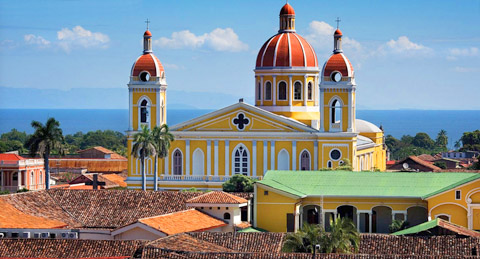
(17,173)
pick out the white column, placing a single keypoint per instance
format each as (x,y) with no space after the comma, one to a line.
(209,157)
(322,112)
(315,155)
(370,222)
(323,218)
(294,155)
(165,161)
(315,90)
(19,174)
(262,90)
(158,106)
(165,107)
(290,90)
(215,157)
(358,221)
(393,216)
(274,86)
(265,156)
(405,216)
(227,156)
(305,91)
(254,158)
(272,155)
(187,157)
(130,109)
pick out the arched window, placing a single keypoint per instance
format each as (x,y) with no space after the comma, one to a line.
(336,109)
(226,216)
(329,164)
(444,217)
(268,91)
(241,162)
(198,162)
(297,93)
(283,160)
(305,161)
(144,115)
(282,91)
(310,91)
(177,162)
(259,91)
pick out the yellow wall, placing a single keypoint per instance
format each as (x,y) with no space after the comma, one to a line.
(272,210)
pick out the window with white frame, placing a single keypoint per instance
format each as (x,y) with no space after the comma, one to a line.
(177,162)
(458,195)
(268,91)
(297,91)
(241,161)
(305,161)
(144,113)
(309,91)
(336,111)
(282,91)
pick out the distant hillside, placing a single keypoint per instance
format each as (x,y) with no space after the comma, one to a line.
(104,98)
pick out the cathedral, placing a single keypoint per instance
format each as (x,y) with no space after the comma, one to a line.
(303,118)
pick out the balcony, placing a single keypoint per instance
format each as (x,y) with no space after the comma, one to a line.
(199,178)
(21,163)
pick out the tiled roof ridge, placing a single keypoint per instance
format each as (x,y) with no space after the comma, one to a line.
(168,214)
(425,163)
(65,210)
(233,198)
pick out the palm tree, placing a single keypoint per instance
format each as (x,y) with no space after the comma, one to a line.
(398,225)
(44,140)
(458,144)
(143,148)
(162,139)
(342,238)
(304,240)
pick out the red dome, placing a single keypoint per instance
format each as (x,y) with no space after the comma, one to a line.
(338,62)
(147,62)
(286,50)
(338,32)
(287,10)
(147,33)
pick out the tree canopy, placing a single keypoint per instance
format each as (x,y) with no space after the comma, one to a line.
(471,141)
(239,183)
(421,143)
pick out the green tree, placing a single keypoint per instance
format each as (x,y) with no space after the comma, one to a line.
(343,237)
(238,183)
(458,144)
(442,140)
(44,140)
(346,165)
(13,141)
(423,140)
(162,139)
(397,225)
(471,141)
(304,240)
(440,164)
(143,148)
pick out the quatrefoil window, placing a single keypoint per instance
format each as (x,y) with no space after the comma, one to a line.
(241,121)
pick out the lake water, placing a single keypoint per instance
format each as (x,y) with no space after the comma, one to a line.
(394,122)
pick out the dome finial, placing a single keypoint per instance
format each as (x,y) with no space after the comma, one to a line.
(337,38)
(147,40)
(338,21)
(287,19)
(147,22)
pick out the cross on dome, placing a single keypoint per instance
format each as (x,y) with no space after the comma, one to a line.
(338,21)
(147,22)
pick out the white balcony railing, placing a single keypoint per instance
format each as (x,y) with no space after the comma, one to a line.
(26,162)
(199,178)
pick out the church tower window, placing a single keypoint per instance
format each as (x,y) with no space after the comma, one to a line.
(198,162)
(297,91)
(336,111)
(282,91)
(309,90)
(268,91)
(305,161)
(259,91)
(144,115)
(177,162)
(241,162)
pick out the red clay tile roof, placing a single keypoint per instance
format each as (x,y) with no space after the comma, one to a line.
(183,221)
(185,242)
(338,32)
(424,163)
(10,217)
(113,155)
(217,198)
(10,157)
(67,248)
(338,62)
(244,242)
(426,157)
(84,178)
(116,178)
(287,10)
(147,62)
(391,162)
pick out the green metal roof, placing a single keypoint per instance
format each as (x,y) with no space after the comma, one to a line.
(364,184)
(418,228)
(251,229)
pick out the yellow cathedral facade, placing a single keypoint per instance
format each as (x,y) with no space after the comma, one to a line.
(303,118)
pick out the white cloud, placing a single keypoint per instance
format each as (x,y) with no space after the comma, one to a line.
(78,37)
(172,66)
(36,40)
(454,53)
(218,39)
(403,44)
(321,37)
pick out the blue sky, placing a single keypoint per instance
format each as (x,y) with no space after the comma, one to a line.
(406,54)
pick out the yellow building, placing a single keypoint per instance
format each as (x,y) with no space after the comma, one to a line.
(284,200)
(303,119)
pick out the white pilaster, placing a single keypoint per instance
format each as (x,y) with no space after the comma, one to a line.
(290,91)
(187,157)
(393,216)
(265,156)
(158,107)
(322,108)
(305,91)
(209,157)
(165,161)
(262,90)
(272,155)
(350,115)
(165,108)
(315,90)
(358,221)
(19,174)
(370,222)
(227,156)
(405,216)
(215,157)
(274,86)
(323,219)
(254,158)
(315,155)
(130,109)
(294,155)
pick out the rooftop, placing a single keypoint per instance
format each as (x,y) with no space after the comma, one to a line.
(437,227)
(217,197)
(364,184)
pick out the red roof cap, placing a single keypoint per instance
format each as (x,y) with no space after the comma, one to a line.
(338,32)
(286,50)
(10,157)
(338,62)
(287,10)
(147,62)
(147,33)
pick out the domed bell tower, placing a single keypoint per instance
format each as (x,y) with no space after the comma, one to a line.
(337,91)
